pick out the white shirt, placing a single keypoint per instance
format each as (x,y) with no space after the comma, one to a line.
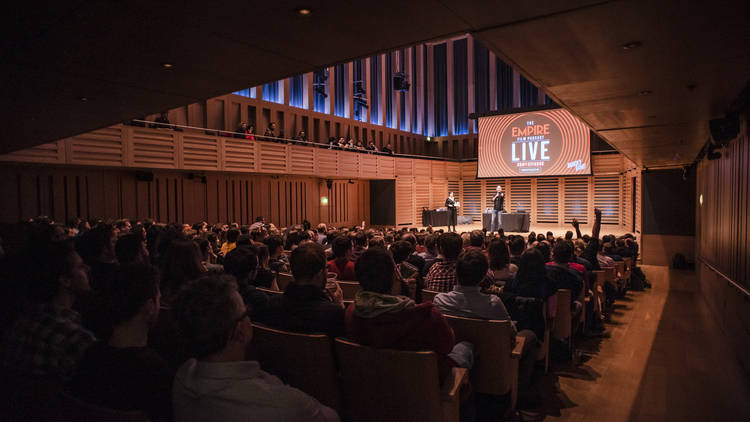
(240,391)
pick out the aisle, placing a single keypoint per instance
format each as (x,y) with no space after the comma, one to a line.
(666,360)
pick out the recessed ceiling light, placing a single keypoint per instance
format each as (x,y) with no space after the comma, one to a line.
(645,92)
(631,45)
(167,65)
(304,12)
(83,99)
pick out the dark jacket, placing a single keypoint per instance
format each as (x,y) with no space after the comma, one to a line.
(565,278)
(499,202)
(303,308)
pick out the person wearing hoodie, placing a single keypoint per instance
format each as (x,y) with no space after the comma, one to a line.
(218,383)
(382,320)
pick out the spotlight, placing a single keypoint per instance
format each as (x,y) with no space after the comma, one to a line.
(713,154)
(631,45)
(167,65)
(83,99)
(304,12)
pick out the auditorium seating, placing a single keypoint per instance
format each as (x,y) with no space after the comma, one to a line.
(496,370)
(428,295)
(304,361)
(349,289)
(75,410)
(283,280)
(396,385)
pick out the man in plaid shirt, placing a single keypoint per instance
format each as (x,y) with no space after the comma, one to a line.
(442,274)
(49,340)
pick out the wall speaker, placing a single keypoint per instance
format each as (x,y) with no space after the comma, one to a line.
(144,176)
(725,129)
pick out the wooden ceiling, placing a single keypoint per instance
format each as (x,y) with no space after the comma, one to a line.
(693,59)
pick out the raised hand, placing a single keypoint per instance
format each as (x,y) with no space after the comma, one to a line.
(574,222)
(598,213)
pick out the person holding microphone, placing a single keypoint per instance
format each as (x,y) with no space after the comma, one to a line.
(451,204)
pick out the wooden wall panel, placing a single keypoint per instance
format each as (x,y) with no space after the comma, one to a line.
(153,149)
(102,147)
(547,200)
(405,202)
(576,202)
(607,197)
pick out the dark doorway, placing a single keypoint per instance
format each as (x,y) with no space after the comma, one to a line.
(383,202)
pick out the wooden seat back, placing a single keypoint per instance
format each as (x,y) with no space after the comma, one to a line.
(390,385)
(563,319)
(304,361)
(283,280)
(349,289)
(428,295)
(74,409)
(270,292)
(495,370)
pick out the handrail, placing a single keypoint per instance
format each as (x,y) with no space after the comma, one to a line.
(738,286)
(259,137)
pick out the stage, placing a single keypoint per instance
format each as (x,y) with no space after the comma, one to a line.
(557,229)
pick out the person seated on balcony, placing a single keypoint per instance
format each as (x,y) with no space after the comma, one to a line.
(371,146)
(332,142)
(306,305)
(300,136)
(388,149)
(382,320)
(342,264)
(245,131)
(218,383)
(271,130)
(360,146)
(161,122)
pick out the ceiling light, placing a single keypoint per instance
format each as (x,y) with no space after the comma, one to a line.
(631,45)
(167,65)
(645,92)
(83,99)
(304,12)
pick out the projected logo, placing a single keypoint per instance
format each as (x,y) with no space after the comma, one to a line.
(549,142)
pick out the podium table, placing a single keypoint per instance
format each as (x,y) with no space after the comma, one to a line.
(511,221)
(435,218)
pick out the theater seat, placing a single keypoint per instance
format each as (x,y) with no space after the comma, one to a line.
(304,361)
(395,385)
(497,375)
(283,280)
(349,289)
(428,295)
(74,409)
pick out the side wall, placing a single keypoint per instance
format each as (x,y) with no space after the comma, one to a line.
(723,238)
(63,192)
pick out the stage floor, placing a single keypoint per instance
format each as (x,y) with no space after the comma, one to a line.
(556,229)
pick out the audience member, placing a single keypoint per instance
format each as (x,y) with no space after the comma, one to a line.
(307,304)
(123,372)
(442,274)
(382,320)
(217,383)
(231,243)
(48,340)
(342,264)
(131,249)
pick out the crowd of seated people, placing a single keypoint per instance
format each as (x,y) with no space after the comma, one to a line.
(138,315)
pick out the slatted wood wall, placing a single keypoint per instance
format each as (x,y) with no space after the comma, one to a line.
(64,192)
(420,182)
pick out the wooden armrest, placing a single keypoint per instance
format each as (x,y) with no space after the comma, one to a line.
(452,384)
(516,352)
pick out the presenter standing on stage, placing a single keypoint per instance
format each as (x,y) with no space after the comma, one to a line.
(498,204)
(451,204)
